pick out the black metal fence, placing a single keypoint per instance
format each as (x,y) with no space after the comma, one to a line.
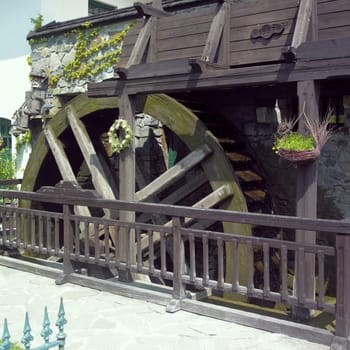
(173,251)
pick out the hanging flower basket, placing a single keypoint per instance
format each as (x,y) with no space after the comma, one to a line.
(300,147)
(299,156)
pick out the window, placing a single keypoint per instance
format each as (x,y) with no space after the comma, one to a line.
(97,7)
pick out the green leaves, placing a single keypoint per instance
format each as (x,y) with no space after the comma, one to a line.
(294,141)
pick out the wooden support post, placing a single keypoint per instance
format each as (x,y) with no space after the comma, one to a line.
(342,331)
(306,198)
(127,181)
(179,267)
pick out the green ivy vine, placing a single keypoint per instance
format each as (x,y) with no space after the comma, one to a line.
(92,55)
(22,140)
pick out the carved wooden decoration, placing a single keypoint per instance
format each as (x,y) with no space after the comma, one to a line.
(267,31)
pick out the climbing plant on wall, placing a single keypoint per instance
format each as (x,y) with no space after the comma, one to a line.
(93,53)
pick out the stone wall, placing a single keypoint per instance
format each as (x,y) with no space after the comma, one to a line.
(333,171)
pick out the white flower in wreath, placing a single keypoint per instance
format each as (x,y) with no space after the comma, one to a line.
(114,138)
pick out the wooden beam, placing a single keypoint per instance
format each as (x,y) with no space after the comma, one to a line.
(301,30)
(318,69)
(303,23)
(141,43)
(147,10)
(174,173)
(215,37)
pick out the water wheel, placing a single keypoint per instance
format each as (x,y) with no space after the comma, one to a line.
(208,179)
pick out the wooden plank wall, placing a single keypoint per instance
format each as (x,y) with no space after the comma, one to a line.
(184,35)
(246,16)
(334,19)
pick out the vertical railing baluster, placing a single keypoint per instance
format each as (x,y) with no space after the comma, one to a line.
(32,229)
(163,256)
(76,237)
(68,241)
(192,258)
(117,245)
(86,240)
(321,279)
(107,241)
(151,251)
(235,267)
(48,234)
(41,233)
(57,235)
(19,218)
(266,250)
(250,257)
(24,226)
(221,278)
(138,249)
(27,336)
(96,241)
(205,260)
(284,273)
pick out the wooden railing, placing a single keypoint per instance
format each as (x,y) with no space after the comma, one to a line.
(95,241)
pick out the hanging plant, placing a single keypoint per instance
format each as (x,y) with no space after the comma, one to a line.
(120,135)
(301,147)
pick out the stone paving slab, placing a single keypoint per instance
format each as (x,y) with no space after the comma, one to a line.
(102,321)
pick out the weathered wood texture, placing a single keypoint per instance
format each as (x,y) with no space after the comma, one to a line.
(333,19)
(252,36)
(186,35)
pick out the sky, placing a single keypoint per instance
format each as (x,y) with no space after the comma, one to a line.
(15,24)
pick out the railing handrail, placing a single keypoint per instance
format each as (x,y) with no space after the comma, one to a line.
(90,198)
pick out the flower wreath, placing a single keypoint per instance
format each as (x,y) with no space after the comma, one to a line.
(116,142)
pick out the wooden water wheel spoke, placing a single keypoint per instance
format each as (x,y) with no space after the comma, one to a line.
(99,178)
(173,174)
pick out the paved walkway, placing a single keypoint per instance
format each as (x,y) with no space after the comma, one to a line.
(102,321)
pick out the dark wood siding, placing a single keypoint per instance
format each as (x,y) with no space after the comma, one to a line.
(184,35)
(334,19)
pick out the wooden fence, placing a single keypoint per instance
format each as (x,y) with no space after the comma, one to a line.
(171,252)
(46,332)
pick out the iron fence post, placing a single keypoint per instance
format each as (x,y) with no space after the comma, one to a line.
(342,332)
(179,267)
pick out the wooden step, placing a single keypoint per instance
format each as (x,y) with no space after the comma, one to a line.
(248,176)
(237,157)
(255,195)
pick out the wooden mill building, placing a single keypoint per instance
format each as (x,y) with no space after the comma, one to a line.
(211,80)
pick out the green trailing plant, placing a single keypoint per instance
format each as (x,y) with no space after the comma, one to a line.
(7,165)
(311,141)
(14,346)
(293,141)
(23,140)
(93,54)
